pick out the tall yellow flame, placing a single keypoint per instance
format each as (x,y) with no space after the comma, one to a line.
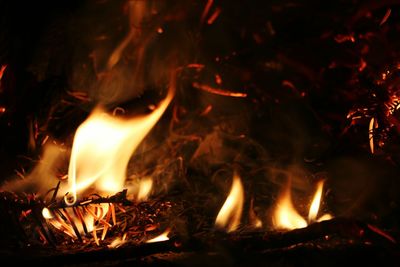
(102,148)
(231,212)
(285,215)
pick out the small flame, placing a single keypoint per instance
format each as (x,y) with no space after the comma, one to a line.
(160,238)
(314,208)
(325,217)
(287,217)
(117,242)
(231,212)
(253,218)
(102,148)
(145,186)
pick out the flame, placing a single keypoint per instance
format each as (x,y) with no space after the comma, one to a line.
(314,208)
(102,148)
(286,216)
(325,217)
(160,238)
(231,212)
(117,242)
(145,187)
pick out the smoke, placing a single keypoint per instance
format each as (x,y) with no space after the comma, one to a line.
(43,178)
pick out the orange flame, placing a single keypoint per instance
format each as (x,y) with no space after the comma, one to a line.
(160,238)
(286,216)
(231,212)
(102,148)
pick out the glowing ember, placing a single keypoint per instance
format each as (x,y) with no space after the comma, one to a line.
(217,91)
(160,238)
(287,217)
(102,148)
(46,213)
(218,79)
(78,220)
(373,124)
(231,212)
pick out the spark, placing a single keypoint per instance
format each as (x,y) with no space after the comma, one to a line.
(195,66)
(372,125)
(385,18)
(218,79)
(218,91)
(206,110)
(206,10)
(2,69)
(214,16)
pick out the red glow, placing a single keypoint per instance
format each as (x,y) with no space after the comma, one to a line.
(206,10)
(218,79)
(2,69)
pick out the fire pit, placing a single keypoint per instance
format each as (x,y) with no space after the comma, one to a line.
(200,133)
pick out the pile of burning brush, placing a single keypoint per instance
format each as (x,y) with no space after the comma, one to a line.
(223,159)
